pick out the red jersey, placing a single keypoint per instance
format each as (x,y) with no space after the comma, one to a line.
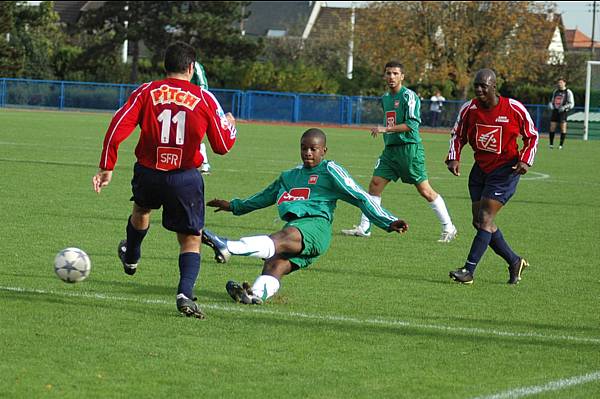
(173,115)
(492,133)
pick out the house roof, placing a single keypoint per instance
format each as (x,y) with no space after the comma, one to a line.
(577,40)
(70,11)
(289,16)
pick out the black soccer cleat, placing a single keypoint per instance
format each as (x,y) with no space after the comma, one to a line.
(128,268)
(515,270)
(189,307)
(462,276)
(218,245)
(242,293)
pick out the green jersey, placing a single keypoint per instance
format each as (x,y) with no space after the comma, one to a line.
(403,107)
(199,77)
(303,192)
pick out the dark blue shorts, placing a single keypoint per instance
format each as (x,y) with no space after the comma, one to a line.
(179,192)
(500,184)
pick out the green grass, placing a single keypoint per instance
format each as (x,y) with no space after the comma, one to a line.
(373,318)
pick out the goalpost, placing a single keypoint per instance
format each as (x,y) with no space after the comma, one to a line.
(588,88)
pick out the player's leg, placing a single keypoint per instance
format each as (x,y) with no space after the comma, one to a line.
(183,213)
(383,173)
(298,245)
(205,167)
(438,205)
(144,200)
(553,124)
(563,130)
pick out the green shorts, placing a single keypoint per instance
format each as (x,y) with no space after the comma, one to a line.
(406,162)
(316,236)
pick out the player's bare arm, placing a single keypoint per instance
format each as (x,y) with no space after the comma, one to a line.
(399,226)
(101,179)
(453,167)
(220,204)
(403,127)
(520,168)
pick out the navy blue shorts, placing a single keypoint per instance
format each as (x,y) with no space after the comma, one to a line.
(500,184)
(179,192)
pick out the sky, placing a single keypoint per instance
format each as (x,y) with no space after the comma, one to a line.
(578,14)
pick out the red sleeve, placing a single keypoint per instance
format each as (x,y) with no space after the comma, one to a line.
(528,133)
(459,133)
(221,134)
(122,124)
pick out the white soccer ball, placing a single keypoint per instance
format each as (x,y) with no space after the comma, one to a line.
(72,265)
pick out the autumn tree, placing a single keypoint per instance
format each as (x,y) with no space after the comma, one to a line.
(450,40)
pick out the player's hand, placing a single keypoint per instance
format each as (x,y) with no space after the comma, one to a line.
(377,130)
(101,179)
(230,118)
(520,168)
(220,204)
(399,226)
(453,167)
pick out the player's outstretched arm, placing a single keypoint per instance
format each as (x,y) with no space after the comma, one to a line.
(399,226)
(220,204)
(101,179)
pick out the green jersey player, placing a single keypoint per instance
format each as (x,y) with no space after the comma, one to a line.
(306,198)
(403,156)
(199,79)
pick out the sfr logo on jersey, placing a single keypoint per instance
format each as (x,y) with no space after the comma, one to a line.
(295,194)
(489,138)
(390,119)
(168,158)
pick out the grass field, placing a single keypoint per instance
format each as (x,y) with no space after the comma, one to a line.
(374,318)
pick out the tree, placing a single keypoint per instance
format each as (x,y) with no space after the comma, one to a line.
(11,59)
(451,40)
(208,26)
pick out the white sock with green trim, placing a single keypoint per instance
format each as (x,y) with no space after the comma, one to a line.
(365,223)
(203,152)
(265,286)
(439,207)
(258,246)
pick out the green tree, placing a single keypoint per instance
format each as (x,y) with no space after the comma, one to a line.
(445,40)
(11,58)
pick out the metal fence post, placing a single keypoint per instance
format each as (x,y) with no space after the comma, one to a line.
(296,114)
(61,98)
(3,93)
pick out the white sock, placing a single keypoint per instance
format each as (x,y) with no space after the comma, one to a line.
(265,287)
(365,223)
(203,152)
(439,207)
(258,246)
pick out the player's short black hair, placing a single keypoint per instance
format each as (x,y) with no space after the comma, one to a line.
(561,78)
(314,132)
(178,57)
(394,64)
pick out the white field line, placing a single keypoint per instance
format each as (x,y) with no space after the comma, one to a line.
(322,317)
(551,386)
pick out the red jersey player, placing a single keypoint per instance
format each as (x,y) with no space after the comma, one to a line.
(491,125)
(174,115)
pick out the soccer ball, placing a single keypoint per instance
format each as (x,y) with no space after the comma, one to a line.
(72,265)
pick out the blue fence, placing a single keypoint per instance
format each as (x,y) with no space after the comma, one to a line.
(252,105)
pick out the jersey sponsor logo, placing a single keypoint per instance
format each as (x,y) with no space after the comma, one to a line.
(168,158)
(396,103)
(174,95)
(558,100)
(502,119)
(390,118)
(489,138)
(313,179)
(295,194)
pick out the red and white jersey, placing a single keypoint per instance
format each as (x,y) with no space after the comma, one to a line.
(173,115)
(493,133)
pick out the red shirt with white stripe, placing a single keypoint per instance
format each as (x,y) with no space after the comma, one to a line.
(493,133)
(174,115)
